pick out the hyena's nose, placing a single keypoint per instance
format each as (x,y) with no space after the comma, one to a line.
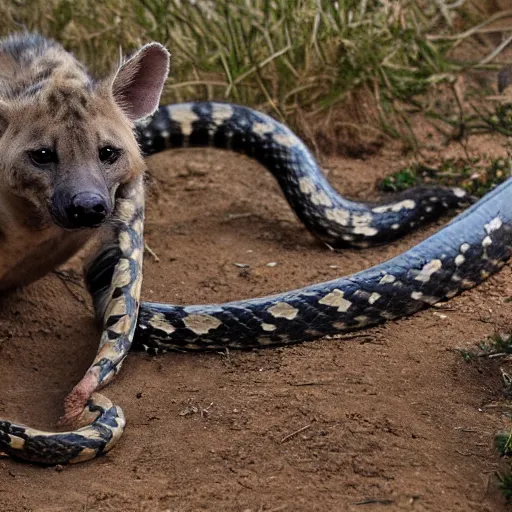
(87,210)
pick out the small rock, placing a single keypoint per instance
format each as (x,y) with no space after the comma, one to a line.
(190,409)
(196,169)
(192,185)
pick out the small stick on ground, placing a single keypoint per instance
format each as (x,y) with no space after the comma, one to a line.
(293,434)
(472,429)
(226,354)
(311,383)
(151,252)
(371,501)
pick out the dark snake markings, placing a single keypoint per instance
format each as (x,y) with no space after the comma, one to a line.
(473,246)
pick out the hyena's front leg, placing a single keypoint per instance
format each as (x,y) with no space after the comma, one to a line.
(114,279)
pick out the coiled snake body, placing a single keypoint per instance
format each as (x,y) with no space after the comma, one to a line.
(473,246)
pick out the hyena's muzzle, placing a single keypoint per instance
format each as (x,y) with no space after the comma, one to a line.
(81,202)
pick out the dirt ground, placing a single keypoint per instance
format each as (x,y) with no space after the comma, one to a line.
(391,418)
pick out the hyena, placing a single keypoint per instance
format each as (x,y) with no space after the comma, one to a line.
(67,149)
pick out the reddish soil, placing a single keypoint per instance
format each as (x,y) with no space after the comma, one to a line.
(391,418)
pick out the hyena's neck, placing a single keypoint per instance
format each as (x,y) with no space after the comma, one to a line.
(31,63)
(29,249)
(26,259)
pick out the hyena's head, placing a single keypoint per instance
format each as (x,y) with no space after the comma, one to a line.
(67,141)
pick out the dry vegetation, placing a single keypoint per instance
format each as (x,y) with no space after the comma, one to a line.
(344,74)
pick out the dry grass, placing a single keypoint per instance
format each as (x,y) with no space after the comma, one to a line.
(354,63)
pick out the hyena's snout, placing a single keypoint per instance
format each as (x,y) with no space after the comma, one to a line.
(87,210)
(77,207)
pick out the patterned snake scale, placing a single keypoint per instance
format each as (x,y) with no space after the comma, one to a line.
(473,246)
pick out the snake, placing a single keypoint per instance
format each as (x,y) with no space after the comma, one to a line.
(474,245)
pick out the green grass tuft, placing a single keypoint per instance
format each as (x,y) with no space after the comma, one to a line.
(505,484)
(503,443)
(476,175)
(499,343)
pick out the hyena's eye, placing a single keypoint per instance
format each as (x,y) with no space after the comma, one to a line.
(108,154)
(43,156)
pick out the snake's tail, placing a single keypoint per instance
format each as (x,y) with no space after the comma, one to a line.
(76,400)
(105,425)
(114,280)
(329,216)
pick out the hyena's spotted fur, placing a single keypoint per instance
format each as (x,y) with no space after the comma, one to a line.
(48,100)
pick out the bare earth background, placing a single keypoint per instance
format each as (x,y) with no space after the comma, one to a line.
(391,418)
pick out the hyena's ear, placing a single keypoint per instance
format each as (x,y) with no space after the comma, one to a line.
(139,81)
